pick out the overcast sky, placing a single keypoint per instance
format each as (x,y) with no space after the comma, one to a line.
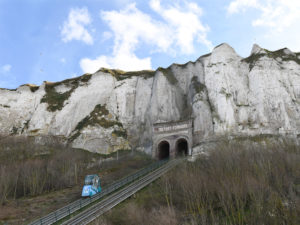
(58,39)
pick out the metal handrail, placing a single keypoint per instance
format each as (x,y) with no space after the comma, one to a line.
(88,215)
(81,203)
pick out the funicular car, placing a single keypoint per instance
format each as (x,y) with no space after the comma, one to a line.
(91,185)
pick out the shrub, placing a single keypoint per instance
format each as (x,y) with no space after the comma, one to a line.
(235,184)
(239,186)
(29,169)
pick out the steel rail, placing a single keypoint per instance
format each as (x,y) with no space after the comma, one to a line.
(81,203)
(98,209)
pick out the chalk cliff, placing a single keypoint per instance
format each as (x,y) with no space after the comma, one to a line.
(222,92)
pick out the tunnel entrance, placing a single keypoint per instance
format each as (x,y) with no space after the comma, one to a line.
(163,150)
(182,147)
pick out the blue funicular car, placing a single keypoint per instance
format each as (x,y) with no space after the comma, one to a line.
(91,185)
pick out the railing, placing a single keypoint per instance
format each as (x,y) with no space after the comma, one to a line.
(102,206)
(83,202)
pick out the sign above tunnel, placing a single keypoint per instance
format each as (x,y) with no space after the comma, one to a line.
(172,135)
(172,126)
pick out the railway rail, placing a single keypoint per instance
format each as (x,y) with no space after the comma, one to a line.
(98,209)
(108,198)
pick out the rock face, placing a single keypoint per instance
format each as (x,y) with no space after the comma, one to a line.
(223,93)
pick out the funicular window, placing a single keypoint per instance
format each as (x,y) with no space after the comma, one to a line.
(88,180)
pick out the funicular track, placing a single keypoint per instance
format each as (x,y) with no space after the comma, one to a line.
(92,213)
(83,211)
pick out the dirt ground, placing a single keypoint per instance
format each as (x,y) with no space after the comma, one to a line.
(25,210)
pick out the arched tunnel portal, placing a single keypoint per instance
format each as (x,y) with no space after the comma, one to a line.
(172,146)
(182,147)
(163,150)
(172,139)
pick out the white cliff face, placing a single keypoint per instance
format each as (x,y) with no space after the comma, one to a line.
(223,93)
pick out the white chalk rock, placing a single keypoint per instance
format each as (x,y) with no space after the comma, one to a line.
(223,93)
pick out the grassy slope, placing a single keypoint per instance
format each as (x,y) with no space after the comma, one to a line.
(63,169)
(233,186)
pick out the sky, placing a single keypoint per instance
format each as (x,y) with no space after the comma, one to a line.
(53,40)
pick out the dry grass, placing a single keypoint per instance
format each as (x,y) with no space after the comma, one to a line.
(234,185)
(133,214)
(37,179)
(30,169)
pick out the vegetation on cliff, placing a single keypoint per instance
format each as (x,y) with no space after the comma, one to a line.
(167,72)
(122,75)
(279,54)
(198,86)
(56,100)
(32,87)
(100,116)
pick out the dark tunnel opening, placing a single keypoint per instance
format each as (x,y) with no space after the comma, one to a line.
(181,147)
(163,150)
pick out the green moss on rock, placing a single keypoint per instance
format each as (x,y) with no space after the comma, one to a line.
(120,133)
(224,92)
(7,89)
(285,57)
(108,123)
(252,59)
(122,75)
(102,110)
(98,117)
(14,130)
(54,99)
(32,87)
(5,106)
(167,72)
(199,87)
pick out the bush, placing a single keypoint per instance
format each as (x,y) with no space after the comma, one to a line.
(235,184)
(29,169)
(239,186)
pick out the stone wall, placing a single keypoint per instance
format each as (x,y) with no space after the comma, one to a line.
(171,132)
